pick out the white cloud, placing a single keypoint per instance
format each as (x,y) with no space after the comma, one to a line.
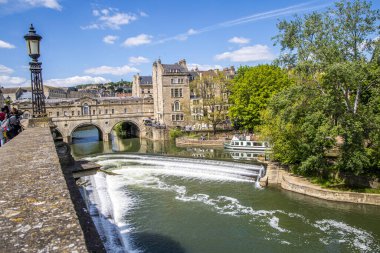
(4,44)
(138,40)
(75,80)
(5,70)
(143,14)
(138,60)
(52,4)
(247,54)
(116,71)
(192,31)
(11,81)
(110,39)
(110,18)
(239,40)
(203,66)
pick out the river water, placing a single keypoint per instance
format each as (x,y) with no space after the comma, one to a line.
(154,197)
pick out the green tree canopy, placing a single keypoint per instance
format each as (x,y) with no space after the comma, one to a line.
(335,62)
(251,89)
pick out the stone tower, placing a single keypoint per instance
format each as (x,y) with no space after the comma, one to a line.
(171,92)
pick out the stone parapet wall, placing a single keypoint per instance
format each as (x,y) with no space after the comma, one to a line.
(187,142)
(36,212)
(292,183)
(275,175)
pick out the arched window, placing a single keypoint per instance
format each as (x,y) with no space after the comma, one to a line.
(86,109)
(177,106)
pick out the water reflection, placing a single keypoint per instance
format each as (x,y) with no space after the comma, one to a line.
(86,142)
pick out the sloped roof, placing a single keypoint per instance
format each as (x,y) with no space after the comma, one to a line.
(146,80)
(174,68)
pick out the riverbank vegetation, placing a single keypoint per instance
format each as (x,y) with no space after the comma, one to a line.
(325,122)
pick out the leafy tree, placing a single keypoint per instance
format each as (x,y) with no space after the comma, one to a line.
(212,89)
(251,89)
(333,55)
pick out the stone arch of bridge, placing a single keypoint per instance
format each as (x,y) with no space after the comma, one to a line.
(102,133)
(131,122)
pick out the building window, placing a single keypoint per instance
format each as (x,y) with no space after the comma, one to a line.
(176,93)
(57,114)
(113,111)
(100,112)
(50,113)
(177,117)
(72,113)
(125,110)
(177,80)
(78,113)
(86,109)
(93,112)
(142,91)
(176,106)
(106,111)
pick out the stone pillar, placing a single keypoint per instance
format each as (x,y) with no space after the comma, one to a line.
(160,134)
(106,137)
(67,139)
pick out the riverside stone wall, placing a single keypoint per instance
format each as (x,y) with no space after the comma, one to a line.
(36,212)
(278,176)
(302,186)
(187,142)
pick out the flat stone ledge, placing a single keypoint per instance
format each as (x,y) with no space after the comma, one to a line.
(36,212)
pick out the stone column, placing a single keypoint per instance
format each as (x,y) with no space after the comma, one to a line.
(67,139)
(106,137)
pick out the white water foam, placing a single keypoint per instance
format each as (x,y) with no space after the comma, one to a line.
(149,172)
(343,233)
(109,203)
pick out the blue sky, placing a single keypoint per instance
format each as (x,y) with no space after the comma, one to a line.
(94,41)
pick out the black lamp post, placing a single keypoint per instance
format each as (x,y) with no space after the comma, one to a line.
(38,99)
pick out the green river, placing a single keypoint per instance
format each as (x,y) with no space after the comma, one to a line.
(157,198)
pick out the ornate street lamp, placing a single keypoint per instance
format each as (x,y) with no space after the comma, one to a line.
(38,99)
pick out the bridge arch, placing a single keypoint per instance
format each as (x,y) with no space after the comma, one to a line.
(101,132)
(130,127)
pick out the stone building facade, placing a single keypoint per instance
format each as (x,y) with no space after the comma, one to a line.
(142,86)
(104,113)
(171,92)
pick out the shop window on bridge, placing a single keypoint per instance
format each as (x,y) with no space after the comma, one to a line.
(86,109)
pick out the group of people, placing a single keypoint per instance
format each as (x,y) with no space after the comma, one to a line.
(9,124)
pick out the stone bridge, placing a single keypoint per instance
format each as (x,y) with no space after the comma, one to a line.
(68,114)
(66,126)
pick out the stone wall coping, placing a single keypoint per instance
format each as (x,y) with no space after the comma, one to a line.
(301,185)
(36,212)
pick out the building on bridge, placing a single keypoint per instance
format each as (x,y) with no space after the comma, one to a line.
(68,114)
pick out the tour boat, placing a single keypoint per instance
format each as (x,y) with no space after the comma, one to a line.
(244,143)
